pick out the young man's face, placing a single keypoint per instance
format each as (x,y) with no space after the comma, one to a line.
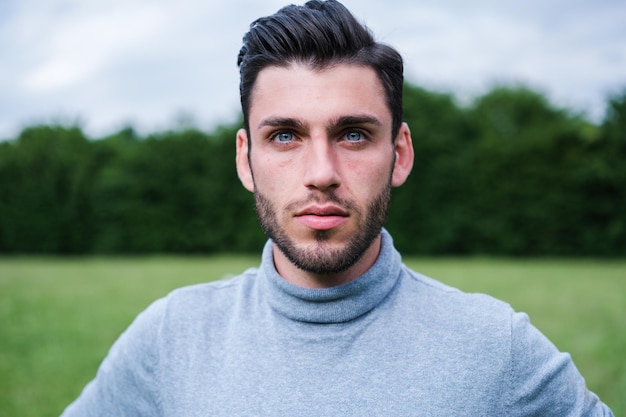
(321,165)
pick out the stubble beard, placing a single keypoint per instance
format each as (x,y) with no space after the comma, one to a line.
(323,258)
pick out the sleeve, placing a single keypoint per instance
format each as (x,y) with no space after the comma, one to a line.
(544,381)
(126,383)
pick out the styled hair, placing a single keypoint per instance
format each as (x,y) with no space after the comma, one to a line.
(319,34)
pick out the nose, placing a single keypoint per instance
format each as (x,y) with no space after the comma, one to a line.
(321,165)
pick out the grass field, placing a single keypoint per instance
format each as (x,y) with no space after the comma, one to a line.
(58,317)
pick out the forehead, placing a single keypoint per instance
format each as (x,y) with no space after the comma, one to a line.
(301,92)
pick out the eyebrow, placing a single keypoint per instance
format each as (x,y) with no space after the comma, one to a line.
(356,120)
(281,122)
(338,123)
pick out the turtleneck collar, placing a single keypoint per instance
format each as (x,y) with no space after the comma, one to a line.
(337,304)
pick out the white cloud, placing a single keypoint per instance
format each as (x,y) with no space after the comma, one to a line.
(78,45)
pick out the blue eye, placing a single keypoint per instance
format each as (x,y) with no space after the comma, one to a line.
(284,137)
(354,136)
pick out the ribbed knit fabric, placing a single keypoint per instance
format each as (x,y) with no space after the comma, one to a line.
(391,343)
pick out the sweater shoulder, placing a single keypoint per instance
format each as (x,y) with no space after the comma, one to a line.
(447,302)
(211,298)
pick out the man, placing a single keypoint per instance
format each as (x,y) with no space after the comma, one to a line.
(332,323)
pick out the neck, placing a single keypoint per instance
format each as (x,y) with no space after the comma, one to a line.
(301,278)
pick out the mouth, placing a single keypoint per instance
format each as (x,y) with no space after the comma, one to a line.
(322,217)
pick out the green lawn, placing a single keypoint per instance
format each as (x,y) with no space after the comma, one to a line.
(58,317)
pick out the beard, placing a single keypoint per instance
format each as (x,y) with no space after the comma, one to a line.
(322,257)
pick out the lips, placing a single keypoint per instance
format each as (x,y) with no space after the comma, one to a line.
(322,217)
(322,211)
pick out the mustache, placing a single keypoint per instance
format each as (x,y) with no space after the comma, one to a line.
(322,198)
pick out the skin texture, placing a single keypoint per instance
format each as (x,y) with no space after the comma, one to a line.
(321,162)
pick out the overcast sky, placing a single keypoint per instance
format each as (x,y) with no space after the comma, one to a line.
(108,64)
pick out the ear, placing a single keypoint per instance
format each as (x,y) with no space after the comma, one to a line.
(404,156)
(244,171)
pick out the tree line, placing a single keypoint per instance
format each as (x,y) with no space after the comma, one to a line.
(507,174)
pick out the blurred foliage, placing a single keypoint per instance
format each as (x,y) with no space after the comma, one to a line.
(509,174)
(512,175)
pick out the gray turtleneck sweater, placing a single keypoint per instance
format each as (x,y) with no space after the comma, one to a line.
(391,343)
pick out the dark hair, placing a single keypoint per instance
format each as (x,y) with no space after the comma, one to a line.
(319,34)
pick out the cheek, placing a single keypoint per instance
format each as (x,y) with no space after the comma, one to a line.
(273,176)
(367,177)
(373,169)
